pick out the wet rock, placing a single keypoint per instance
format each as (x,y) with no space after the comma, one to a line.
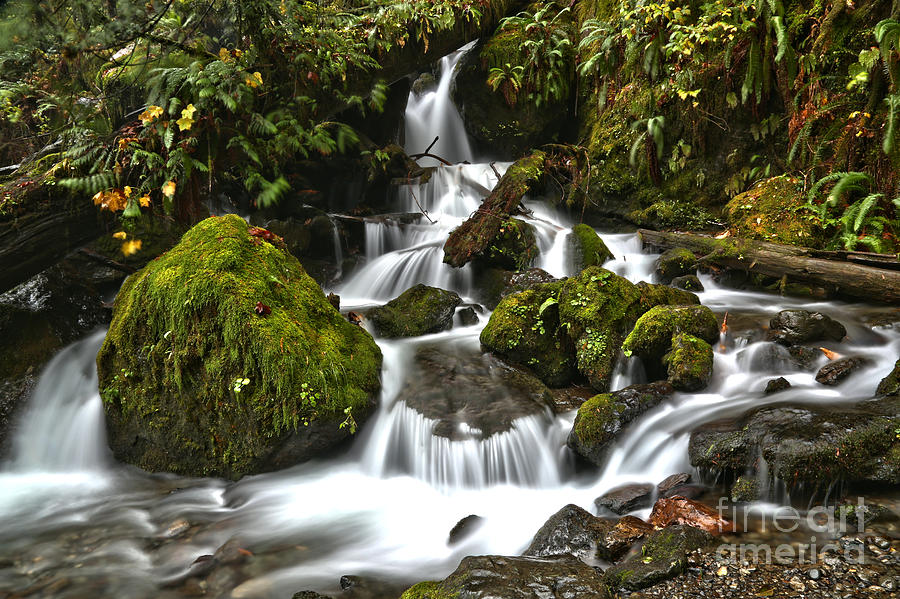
(417,311)
(14,394)
(571,530)
(570,398)
(588,248)
(309,595)
(454,385)
(675,262)
(626,498)
(777,385)
(890,385)
(805,358)
(687,282)
(494,284)
(424,83)
(672,481)
(800,443)
(745,489)
(688,491)
(627,531)
(310,234)
(681,510)
(220,355)
(791,327)
(464,529)
(689,364)
(494,576)
(652,335)
(600,419)
(514,247)
(663,295)
(836,371)
(772,357)
(467,316)
(663,556)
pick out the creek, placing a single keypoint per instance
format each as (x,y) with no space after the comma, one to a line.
(74,523)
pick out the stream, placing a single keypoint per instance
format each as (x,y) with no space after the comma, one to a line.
(75,523)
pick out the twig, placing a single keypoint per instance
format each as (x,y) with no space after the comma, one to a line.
(416,200)
(107,261)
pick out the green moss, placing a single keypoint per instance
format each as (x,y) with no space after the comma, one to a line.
(689,363)
(890,385)
(745,489)
(674,263)
(590,249)
(514,247)
(653,332)
(775,210)
(417,311)
(189,365)
(593,420)
(429,590)
(658,295)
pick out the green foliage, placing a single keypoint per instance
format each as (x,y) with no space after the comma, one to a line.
(854,212)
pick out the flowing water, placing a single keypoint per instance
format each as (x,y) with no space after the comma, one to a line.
(74,523)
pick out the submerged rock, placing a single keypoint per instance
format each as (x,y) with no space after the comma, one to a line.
(803,444)
(626,498)
(224,358)
(676,262)
(836,371)
(495,577)
(689,363)
(687,282)
(464,389)
(663,556)
(417,311)
(791,327)
(571,530)
(464,529)
(588,248)
(603,417)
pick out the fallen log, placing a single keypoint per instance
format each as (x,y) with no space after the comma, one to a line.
(842,277)
(476,234)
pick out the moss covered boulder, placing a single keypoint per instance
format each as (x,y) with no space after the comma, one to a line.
(890,385)
(417,311)
(514,247)
(224,358)
(775,210)
(689,364)
(653,332)
(601,418)
(587,248)
(675,262)
(663,556)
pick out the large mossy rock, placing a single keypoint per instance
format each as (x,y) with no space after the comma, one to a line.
(514,247)
(224,358)
(689,364)
(663,556)
(775,210)
(675,262)
(589,249)
(653,333)
(573,326)
(417,311)
(601,418)
(501,577)
(804,444)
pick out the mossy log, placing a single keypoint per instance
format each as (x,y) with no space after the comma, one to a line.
(475,235)
(842,277)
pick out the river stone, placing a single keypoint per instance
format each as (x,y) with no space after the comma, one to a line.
(464,529)
(836,371)
(467,316)
(626,498)
(777,385)
(600,419)
(890,385)
(500,577)
(687,282)
(689,364)
(791,327)
(806,444)
(675,262)
(663,556)
(224,358)
(653,333)
(455,385)
(587,248)
(571,530)
(672,481)
(417,311)
(767,357)
(627,531)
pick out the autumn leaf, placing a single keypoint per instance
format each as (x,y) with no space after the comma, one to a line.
(254,80)
(169,189)
(224,55)
(131,247)
(113,200)
(187,118)
(151,114)
(127,191)
(144,201)
(120,235)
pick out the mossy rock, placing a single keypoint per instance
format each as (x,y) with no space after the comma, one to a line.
(775,210)
(601,418)
(663,295)
(224,358)
(745,488)
(589,249)
(653,332)
(675,262)
(417,311)
(890,385)
(520,331)
(514,247)
(663,556)
(689,363)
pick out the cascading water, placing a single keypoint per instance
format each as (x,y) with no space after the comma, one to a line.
(76,522)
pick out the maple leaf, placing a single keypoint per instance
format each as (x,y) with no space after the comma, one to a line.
(131,247)
(120,235)
(254,80)
(144,200)
(151,114)
(187,118)
(168,189)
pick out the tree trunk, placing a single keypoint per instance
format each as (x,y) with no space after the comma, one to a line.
(853,276)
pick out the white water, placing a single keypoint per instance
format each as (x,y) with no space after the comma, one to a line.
(67,511)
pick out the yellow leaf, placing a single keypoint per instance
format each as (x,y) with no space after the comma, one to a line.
(151,114)
(169,189)
(113,201)
(188,112)
(120,235)
(127,191)
(131,247)
(254,80)
(144,200)
(184,123)
(224,55)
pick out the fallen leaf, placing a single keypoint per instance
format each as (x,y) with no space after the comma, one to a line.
(150,115)
(262,309)
(131,247)
(723,235)
(831,355)
(120,235)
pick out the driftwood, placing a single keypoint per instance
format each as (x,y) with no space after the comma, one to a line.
(476,234)
(843,277)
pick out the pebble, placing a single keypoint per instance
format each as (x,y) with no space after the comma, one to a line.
(814,574)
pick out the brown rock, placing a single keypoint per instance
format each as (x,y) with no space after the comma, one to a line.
(681,510)
(627,531)
(672,481)
(626,498)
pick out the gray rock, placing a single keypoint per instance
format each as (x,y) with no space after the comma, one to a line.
(777,385)
(626,498)
(791,327)
(663,556)
(571,530)
(836,371)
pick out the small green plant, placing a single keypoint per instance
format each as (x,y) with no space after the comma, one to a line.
(238,384)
